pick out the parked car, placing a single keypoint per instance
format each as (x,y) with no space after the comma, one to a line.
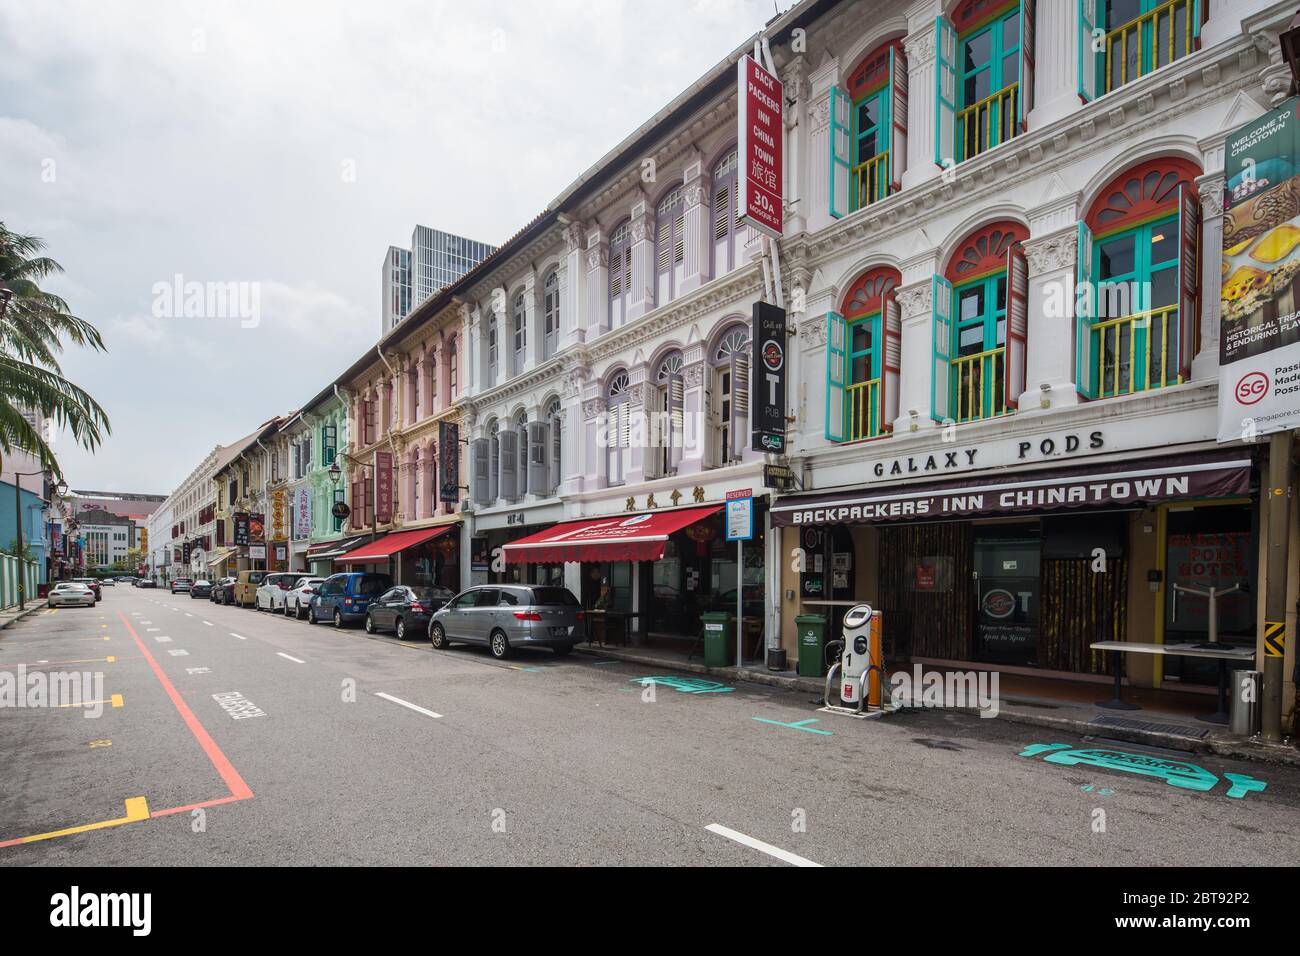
(91,583)
(298,601)
(201,589)
(180,585)
(345,598)
(146,583)
(405,610)
(223,591)
(108,582)
(271,592)
(245,589)
(70,594)
(510,616)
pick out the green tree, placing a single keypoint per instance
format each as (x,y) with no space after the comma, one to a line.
(32,330)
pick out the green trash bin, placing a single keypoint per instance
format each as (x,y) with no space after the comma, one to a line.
(811,629)
(719,639)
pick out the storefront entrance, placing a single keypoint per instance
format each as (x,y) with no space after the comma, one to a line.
(1006,575)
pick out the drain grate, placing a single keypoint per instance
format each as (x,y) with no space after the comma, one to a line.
(1153,727)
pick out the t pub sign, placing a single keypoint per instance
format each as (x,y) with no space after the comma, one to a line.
(767,379)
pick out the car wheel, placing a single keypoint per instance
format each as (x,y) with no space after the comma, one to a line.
(438,637)
(338,619)
(311,616)
(500,645)
(401,629)
(563,650)
(297,611)
(370,624)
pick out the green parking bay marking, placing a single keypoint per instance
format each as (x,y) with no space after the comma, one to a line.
(1186,776)
(798,725)
(686,685)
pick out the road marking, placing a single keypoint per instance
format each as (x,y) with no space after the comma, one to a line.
(137,809)
(288,658)
(162,639)
(179,653)
(800,725)
(115,701)
(149,630)
(209,623)
(409,706)
(784,856)
(240,636)
(188,614)
(87,660)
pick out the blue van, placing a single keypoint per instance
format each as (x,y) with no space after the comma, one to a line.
(345,598)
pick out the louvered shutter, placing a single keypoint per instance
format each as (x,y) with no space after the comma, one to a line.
(722,212)
(892,321)
(941,370)
(482,466)
(1091,57)
(509,464)
(555,465)
(1086,371)
(898,115)
(494,467)
(840,146)
(837,375)
(1013,376)
(945,93)
(676,422)
(1027,34)
(1189,237)
(739,403)
(537,433)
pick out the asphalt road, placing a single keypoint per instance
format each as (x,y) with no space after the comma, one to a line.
(538,761)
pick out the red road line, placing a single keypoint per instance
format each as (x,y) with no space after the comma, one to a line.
(239,790)
(195,806)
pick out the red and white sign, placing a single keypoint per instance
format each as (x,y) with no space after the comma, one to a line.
(761,101)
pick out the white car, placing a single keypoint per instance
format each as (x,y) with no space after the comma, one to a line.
(70,594)
(298,601)
(273,590)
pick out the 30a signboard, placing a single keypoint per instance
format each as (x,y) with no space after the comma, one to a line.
(761,101)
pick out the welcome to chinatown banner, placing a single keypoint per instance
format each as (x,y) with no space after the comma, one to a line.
(1259,332)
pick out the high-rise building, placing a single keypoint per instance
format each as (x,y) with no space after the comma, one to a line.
(436,259)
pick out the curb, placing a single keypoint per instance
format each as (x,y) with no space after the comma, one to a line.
(9,617)
(1251,749)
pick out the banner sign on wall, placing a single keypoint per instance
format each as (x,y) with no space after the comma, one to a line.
(448,463)
(257,527)
(302,515)
(761,100)
(1259,334)
(767,379)
(242,537)
(383,487)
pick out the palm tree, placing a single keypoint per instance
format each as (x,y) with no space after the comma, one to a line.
(32,329)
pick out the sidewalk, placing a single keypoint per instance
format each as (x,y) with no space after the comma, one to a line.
(1172,728)
(11,614)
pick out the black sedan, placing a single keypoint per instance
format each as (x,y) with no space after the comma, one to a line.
(201,589)
(406,610)
(223,592)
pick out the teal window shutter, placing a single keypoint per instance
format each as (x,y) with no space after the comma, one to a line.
(1091,57)
(941,374)
(840,137)
(1086,372)
(837,374)
(945,93)
(1025,100)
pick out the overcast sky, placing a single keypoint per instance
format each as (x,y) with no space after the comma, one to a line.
(287,145)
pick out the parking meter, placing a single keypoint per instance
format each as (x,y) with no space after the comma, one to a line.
(861,656)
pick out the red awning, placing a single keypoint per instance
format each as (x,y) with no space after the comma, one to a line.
(633,538)
(381,549)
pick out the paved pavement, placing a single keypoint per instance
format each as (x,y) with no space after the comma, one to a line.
(258,740)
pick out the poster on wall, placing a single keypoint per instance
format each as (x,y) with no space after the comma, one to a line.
(257,527)
(242,537)
(302,515)
(448,463)
(1259,333)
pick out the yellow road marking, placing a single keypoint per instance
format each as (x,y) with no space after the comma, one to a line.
(137,809)
(101,743)
(115,700)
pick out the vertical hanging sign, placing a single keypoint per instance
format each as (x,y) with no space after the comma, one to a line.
(767,380)
(383,487)
(760,104)
(449,466)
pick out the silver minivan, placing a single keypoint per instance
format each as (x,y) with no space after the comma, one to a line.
(507,616)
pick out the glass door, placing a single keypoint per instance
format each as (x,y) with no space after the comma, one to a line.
(1007,560)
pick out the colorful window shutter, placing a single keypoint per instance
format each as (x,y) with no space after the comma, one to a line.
(941,373)
(739,403)
(839,153)
(1189,233)
(1013,375)
(1086,372)
(945,93)
(892,320)
(898,115)
(1027,33)
(837,374)
(1092,57)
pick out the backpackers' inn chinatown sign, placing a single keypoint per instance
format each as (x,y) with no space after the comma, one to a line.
(1259,335)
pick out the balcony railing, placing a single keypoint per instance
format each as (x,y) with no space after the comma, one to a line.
(864,410)
(1149,42)
(989,122)
(977,384)
(1135,353)
(872,180)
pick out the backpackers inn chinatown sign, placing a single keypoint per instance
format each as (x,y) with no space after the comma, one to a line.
(1259,334)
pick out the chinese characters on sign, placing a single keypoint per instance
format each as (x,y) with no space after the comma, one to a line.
(761,100)
(383,487)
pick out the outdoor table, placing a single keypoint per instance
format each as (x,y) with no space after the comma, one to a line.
(605,616)
(1223,653)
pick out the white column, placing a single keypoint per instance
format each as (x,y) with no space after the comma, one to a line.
(597,283)
(797,165)
(1056,62)
(534,344)
(1205,364)
(573,289)
(920,103)
(638,391)
(594,408)
(476,360)
(817,206)
(642,235)
(698,217)
(917,360)
(695,419)
(1049,358)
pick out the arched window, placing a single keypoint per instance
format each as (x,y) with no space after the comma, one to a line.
(666,427)
(551,313)
(555,423)
(730,235)
(519,333)
(877,126)
(1135,37)
(730,361)
(670,245)
(980,323)
(494,350)
(431,380)
(618,436)
(1137,329)
(870,340)
(981,100)
(620,275)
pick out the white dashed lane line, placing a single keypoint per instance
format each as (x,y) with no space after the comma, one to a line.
(409,706)
(288,658)
(784,856)
(240,636)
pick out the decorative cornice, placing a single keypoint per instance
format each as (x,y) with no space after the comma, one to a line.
(1051,253)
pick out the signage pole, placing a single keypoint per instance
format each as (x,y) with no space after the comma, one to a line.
(1279,508)
(740,592)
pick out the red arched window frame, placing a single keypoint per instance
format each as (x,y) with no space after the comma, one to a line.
(984,251)
(1139,194)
